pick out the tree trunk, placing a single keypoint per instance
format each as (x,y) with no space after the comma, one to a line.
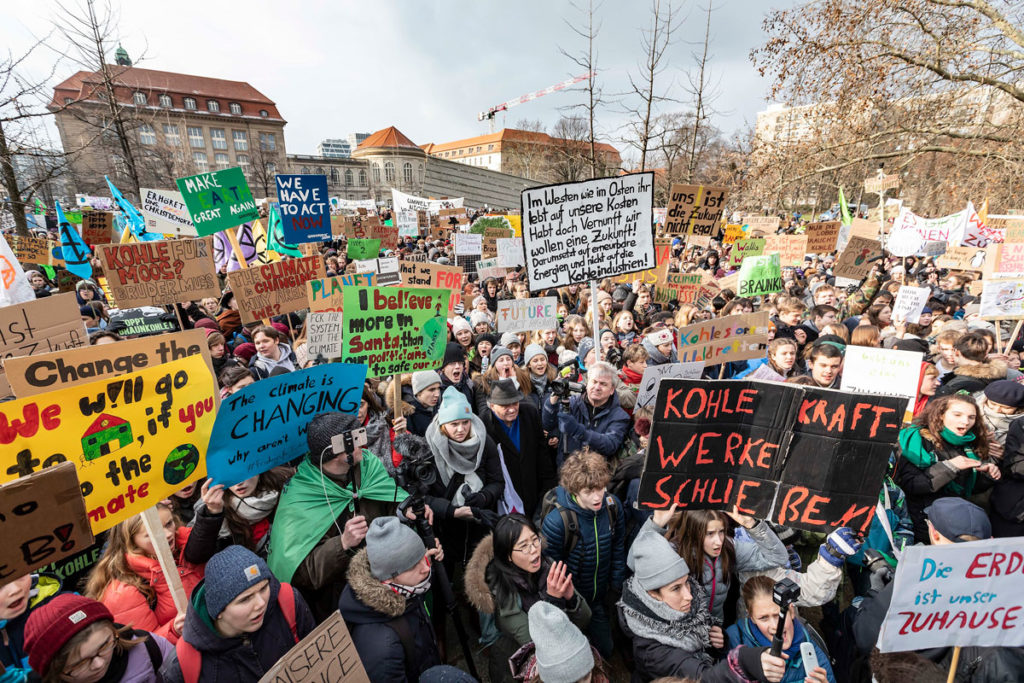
(10,182)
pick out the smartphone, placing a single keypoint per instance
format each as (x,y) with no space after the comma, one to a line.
(809,657)
(348,442)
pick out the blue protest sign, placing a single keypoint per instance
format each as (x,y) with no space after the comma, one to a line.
(73,249)
(305,208)
(264,425)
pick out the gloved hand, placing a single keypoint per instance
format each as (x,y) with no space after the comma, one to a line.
(459,309)
(839,545)
(475,500)
(567,424)
(795,562)
(485,517)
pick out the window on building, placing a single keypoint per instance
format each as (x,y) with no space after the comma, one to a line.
(213,105)
(68,100)
(389,172)
(419,173)
(171,136)
(271,168)
(478,148)
(165,101)
(201,162)
(190,103)
(217,138)
(221,161)
(235,108)
(241,140)
(268,142)
(264,113)
(362,178)
(139,98)
(243,163)
(407,173)
(490,147)
(376,172)
(348,176)
(195,137)
(334,176)
(147,135)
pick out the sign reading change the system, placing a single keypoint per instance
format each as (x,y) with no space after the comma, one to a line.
(578,232)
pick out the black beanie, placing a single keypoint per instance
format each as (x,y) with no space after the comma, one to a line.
(323,428)
(454,353)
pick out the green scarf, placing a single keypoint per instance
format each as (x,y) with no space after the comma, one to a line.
(914,450)
(305,514)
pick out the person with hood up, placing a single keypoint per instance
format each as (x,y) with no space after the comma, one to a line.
(666,615)
(18,599)
(271,353)
(383,603)
(324,512)
(594,420)
(240,621)
(660,345)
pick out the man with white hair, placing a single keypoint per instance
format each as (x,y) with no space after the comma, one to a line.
(594,419)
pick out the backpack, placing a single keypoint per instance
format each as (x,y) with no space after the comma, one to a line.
(570,520)
(190,660)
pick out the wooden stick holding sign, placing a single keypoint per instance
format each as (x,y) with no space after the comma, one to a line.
(953,664)
(242,263)
(154,527)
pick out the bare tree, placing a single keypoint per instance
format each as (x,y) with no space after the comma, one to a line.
(646,88)
(587,59)
(704,94)
(533,125)
(570,152)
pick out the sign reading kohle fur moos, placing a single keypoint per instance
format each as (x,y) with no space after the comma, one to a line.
(157,273)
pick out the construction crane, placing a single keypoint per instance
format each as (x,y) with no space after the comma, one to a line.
(493,111)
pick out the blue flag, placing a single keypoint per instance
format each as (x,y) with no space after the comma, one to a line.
(136,223)
(73,249)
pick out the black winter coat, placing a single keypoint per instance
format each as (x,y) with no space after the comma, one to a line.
(368,606)
(531,467)
(1008,493)
(421,417)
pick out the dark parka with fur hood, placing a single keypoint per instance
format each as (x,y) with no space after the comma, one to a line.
(971,378)
(417,416)
(368,605)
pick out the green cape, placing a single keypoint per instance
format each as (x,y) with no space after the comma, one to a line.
(303,515)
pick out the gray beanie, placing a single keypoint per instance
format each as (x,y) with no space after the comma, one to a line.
(510,338)
(392,548)
(531,351)
(585,347)
(499,351)
(654,563)
(229,573)
(424,379)
(563,652)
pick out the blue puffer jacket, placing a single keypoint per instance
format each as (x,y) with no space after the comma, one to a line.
(13,658)
(604,432)
(598,562)
(743,632)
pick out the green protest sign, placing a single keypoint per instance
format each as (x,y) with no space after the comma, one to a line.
(760,275)
(218,200)
(394,331)
(361,249)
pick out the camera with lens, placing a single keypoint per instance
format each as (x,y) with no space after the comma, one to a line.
(566,382)
(416,471)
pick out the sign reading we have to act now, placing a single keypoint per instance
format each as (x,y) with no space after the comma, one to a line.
(134,439)
(578,232)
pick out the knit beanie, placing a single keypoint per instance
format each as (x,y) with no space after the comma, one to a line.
(585,347)
(477,317)
(324,427)
(655,564)
(486,337)
(454,352)
(51,625)
(563,652)
(531,351)
(424,379)
(245,351)
(392,548)
(499,351)
(454,406)
(1005,392)
(459,324)
(231,572)
(510,338)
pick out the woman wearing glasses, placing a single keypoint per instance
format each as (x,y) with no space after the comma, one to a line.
(507,575)
(73,638)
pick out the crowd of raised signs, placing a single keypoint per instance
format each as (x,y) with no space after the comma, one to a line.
(529,449)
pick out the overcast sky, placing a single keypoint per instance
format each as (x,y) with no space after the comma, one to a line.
(425,66)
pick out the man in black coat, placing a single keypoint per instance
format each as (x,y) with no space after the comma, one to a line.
(515,426)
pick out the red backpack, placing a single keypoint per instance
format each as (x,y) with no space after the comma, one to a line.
(190,660)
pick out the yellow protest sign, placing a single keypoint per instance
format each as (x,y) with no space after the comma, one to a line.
(134,439)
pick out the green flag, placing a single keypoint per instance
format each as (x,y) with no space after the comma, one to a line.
(844,210)
(40,208)
(275,235)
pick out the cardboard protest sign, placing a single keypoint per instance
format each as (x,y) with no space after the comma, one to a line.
(510,252)
(956,257)
(40,326)
(33,250)
(578,232)
(695,210)
(134,439)
(742,248)
(822,237)
(323,334)
(723,340)
(218,200)
(387,270)
(165,212)
(1002,299)
(910,301)
(790,248)
(468,244)
(684,287)
(394,330)
(325,294)
(490,268)
(433,275)
(524,315)
(655,373)
(264,425)
(956,594)
(489,247)
(883,183)
(856,260)
(803,457)
(760,275)
(305,210)
(275,288)
(1006,260)
(733,232)
(766,224)
(861,227)
(97,227)
(867,370)
(42,519)
(32,375)
(650,276)
(156,273)
(362,249)
(326,654)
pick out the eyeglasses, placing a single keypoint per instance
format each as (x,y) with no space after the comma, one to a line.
(84,663)
(529,546)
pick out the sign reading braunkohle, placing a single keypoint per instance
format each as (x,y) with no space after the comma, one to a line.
(578,232)
(802,457)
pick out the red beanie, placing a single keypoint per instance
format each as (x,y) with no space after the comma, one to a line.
(51,625)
